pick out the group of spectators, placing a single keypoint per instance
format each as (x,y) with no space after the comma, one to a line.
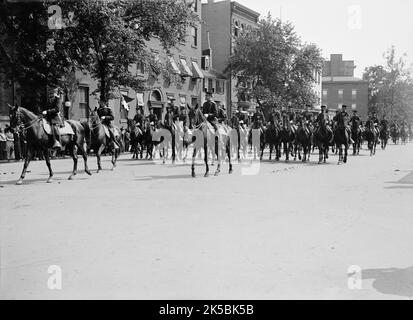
(10,148)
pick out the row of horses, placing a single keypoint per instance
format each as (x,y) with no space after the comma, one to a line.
(219,141)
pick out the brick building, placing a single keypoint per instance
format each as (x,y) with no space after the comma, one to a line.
(341,87)
(223,22)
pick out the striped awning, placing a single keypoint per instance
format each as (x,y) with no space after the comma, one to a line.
(198,74)
(185,70)
(174,66)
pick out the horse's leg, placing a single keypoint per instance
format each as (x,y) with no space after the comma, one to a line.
(206,156)
(346,147)
(49,165)
(75,160)
(98,157)
(84,155)
(193,162)
(29,156)
(173,149)
(229,157)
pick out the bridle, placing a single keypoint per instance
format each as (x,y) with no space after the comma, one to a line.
(21,126)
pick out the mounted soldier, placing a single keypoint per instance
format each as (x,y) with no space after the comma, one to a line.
(52,115)
(222,114)
(258,119)
(106,117)
(210,110)
(152,117)
(139,118)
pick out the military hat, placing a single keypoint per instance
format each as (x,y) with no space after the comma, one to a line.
(323,107)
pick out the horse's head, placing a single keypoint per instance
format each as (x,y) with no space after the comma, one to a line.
(94,117)
(16,117)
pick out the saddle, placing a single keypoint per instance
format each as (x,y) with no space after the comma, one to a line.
(66,130)
(116,131)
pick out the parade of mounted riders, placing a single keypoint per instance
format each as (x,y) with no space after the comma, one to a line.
(205,132)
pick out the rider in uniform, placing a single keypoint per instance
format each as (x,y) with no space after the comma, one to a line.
(139,118)
(106,117)
(152,117)
(53,117)
(210,110)
(258,119)
(355,118)
(324,115)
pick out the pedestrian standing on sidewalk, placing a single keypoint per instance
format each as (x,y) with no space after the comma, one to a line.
(9,144)
(3,140)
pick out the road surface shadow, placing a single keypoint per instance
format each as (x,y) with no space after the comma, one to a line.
(32,181)
(392,281)
(404,183)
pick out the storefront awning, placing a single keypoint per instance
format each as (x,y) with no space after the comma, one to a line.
(185,70)
(198,74)
(174,66)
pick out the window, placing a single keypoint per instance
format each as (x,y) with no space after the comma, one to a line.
(210,85)
(84,102)
(205,62)
(325,93)
(194,101)
(140,68)
(195,36)
(220,86)
(195,5)
(340,94)
(236,29)
(354,94)
(354,106)
(182,101)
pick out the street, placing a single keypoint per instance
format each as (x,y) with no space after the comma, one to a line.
(151,231)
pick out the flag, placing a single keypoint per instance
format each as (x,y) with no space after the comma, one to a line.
(125,101)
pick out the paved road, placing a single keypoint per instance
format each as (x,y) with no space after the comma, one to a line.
(148,231)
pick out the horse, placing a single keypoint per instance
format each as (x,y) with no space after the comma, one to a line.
(257,146)
(356,135)
(273,139)
(100,140)
(287,136)
(384,136)
(322,138)
(303,141)
(395,134)
(136,140)
(39,140)
(371,137)
(341,138)
(404,135)
(205,137)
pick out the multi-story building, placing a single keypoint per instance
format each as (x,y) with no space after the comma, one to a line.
(341,87)
(223,22)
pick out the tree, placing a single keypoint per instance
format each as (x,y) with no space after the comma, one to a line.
(279,66)
(28,59)
(390,86)
(106,38)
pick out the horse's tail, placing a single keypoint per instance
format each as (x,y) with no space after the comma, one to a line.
(88,136)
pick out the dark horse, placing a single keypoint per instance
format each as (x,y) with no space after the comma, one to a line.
(384,135)
(371,137)
(273,138)
(341,138)
(99,140)
(356,135)
(205,137)
(322,138)
(303,142)
(38,140)
(136,138)
(287,136)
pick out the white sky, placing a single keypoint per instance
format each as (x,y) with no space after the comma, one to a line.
(333,25)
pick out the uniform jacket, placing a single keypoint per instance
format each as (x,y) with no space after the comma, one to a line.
(210,108)
(108,114)
(52,112)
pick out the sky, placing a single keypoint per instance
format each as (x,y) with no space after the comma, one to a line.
(359,29)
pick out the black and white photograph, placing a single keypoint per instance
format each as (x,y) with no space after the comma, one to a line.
(206,150)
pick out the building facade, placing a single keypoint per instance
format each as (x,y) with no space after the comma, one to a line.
(223,22)
(341,87)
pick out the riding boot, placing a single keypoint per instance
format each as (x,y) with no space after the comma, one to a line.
(56,137)
(112,137)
